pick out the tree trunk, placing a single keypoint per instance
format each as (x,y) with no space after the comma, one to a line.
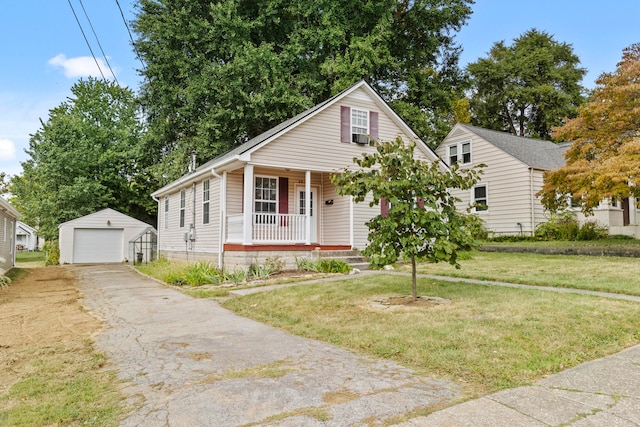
(414,286)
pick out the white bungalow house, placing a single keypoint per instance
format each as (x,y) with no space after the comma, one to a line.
(272,196)
(27,238)
(513,175)
(9,216)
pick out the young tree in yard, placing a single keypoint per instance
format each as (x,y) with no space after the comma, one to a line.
(604,158)
(421,220)
(85,157)
(526,88)
(219,73)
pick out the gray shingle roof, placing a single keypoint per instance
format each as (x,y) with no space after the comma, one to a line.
(535,153)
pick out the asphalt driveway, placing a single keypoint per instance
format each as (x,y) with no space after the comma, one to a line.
(190,362)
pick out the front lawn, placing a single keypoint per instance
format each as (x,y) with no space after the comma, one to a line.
(488,338)
(608,274)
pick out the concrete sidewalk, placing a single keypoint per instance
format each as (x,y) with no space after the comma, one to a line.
(604,392)
(190,362)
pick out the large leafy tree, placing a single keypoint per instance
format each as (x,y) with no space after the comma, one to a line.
(604,158)
(86,156)
(422,220)
(526,88)
(218,73)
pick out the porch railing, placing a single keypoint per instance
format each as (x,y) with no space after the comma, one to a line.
(268,228)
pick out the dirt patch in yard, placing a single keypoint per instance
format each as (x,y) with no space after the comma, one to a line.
(40,311)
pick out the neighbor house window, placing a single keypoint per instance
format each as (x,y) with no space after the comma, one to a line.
(265,198)
(205,201)
(460,152)
(183,204)
(480,198)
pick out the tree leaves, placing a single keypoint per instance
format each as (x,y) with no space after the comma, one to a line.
(604,158)
(85,157)
(528,87)
(422,220)
(219,73)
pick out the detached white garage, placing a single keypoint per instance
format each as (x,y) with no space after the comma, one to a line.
(101,237)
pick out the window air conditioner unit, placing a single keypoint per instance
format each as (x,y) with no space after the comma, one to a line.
(360,138)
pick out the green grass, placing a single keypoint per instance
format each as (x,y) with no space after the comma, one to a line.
(30,259)
(67,385)
(488,338)
(608,274)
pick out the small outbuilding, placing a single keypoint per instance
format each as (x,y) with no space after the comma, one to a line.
(100,237)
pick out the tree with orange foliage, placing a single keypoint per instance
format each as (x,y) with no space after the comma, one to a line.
(604,158)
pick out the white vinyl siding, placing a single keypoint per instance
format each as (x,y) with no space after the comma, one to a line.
(508,183)
(315,144)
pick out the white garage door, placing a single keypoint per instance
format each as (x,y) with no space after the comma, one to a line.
(91,245)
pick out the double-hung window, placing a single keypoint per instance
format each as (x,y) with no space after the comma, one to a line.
(205,201)
(480,198)
(265,199)
(183,204)
(166,212)
(460,152)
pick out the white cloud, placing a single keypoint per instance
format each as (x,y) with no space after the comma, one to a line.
(81,66)
(7,150)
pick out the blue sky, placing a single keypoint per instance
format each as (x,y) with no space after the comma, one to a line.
(44,52)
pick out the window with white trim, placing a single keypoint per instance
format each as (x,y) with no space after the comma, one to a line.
(166,212)
(183,204)
(459,152)
(480,198)
(265,199)
(359,121)
(205,201)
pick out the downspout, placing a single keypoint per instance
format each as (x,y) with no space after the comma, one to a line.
(222,212)
(531,195)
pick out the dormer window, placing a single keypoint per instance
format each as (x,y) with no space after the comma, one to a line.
(460,152)
(358,126)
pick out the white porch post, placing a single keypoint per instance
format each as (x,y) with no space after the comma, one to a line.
(223,219)
(633,211)
(307,207)
(248,204)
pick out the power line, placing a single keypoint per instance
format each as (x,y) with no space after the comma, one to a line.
(99,45)
(135,48)
(86,40)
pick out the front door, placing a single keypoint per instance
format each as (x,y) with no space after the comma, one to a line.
(300,207)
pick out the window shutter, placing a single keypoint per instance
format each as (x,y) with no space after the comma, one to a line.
(373,125)
(345,124)
(283,195)
(283,198)
(384,207)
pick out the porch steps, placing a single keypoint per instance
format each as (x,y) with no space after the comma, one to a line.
(352,257)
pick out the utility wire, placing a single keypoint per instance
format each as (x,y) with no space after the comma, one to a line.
(135,48)
(87,41)
(99,45)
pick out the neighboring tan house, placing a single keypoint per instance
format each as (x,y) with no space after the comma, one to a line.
(272,195)
(514,173)
(512,176)
(8,219)
(27,238)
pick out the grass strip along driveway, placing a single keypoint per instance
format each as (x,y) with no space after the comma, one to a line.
(487,338)
(596,273)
